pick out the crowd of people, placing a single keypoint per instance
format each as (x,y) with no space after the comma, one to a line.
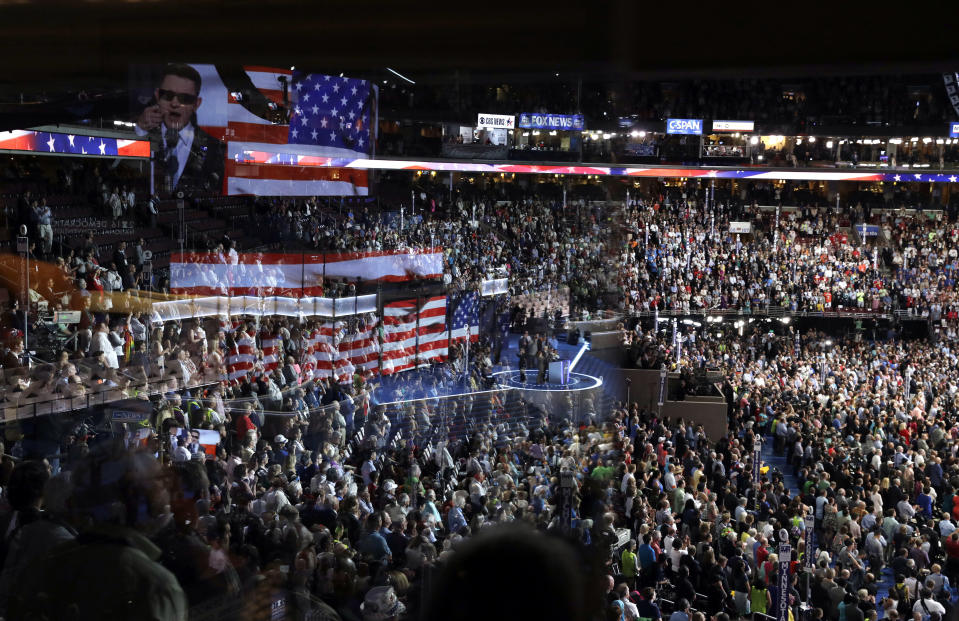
(534,241)
(311,497)
(611,258)
(356,501)
(680,255)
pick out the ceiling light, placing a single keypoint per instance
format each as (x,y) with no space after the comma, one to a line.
(397,74)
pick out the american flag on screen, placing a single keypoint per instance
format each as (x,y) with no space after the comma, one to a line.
(263,156)
(331,112)
(465,319)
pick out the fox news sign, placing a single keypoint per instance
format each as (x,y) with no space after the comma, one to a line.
(566,122)
(685,126)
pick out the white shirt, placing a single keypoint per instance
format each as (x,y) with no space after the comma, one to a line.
(930,604)
(184,144)
(367,470)
(101,342)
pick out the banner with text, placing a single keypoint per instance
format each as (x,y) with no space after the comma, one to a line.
(495,121)
(567,122)
(733,126)
(692,127)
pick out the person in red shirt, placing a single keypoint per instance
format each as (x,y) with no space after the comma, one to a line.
(952,553)
(244,424)
(762,553)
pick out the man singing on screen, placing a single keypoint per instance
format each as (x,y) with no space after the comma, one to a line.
(188,158)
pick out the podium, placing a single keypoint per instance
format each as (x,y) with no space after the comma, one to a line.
(559,372)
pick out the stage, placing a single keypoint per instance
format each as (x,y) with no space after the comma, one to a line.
(582,400)
(577,381)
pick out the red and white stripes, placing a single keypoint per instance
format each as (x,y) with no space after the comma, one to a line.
(336,353)
(414,336)
(240,360)
(271,344)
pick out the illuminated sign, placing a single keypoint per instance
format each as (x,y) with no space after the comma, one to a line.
(733,126)
(567,122)
(685,126)
(495,121)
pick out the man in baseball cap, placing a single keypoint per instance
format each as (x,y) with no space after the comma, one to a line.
(381,604)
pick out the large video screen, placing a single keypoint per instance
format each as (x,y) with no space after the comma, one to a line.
(253,130)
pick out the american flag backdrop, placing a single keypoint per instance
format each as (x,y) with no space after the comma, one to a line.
(271,344)
(414,332)
(269,156)
(240,359)
(339,349)
(331,112)
(465,320)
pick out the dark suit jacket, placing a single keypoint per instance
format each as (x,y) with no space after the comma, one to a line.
(204,167)
(120,259)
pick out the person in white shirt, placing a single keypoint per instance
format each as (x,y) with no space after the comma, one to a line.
(669,480)
(368,468)
(112,280)
(676,554)
(181,453)
(101,343)
(630,469)
(926,605)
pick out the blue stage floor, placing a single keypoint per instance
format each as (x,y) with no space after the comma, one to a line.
(577,381)
(419,384)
